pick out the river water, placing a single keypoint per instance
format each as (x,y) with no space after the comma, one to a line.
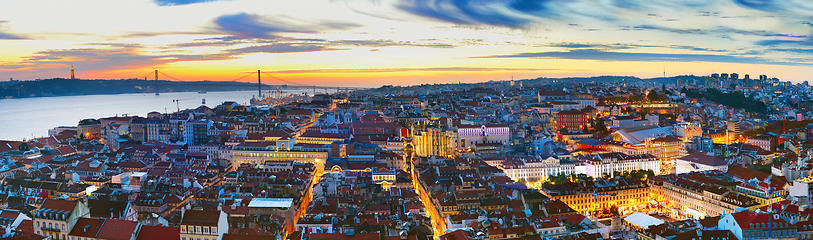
(32,117)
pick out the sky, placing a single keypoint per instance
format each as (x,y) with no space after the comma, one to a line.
(368,43)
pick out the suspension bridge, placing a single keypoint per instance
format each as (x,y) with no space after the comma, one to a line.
(280,83)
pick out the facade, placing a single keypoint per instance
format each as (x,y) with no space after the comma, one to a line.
(747,225)
(609,163)
(434,141)
(469,135)
(55,218)
(203,225)
(687,131)
(764,142)
(667,149)
(196,132)
(254,154)
(536,170)
(690,196)
(572,120)
(629,195)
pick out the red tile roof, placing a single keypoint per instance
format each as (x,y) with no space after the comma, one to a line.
(158,232)
(115,229)
(56,204)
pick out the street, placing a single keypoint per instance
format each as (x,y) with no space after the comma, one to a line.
(438,223)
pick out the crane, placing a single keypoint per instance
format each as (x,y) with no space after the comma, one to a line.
(177,102)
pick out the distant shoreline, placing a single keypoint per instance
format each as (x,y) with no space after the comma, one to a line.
(59,87)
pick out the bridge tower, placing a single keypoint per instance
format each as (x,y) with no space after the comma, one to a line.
(259,87)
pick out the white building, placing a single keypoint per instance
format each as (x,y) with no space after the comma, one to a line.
(536,169)
(608,163)
(469,135)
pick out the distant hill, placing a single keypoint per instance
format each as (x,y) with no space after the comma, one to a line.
(68,87)
(629,79)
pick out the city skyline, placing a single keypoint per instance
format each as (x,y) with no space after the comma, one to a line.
(370,43)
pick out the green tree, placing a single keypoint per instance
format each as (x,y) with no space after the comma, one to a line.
(600,126)
(585,129)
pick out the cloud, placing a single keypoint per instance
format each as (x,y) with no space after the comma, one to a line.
(180,2)
(794,7)
(280,48)
(776,42)
(8,36)
(471,12)
(437,69)
(620,46)
(593,54)
(390,43)
(92,59)
(244,25)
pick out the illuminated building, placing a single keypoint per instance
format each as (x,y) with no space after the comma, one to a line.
(700,194)
(598,165)
(434,141)
(666,149)
(687,130)
(259,153)
(572,120)
(468,135)
(535,169)
(630,195)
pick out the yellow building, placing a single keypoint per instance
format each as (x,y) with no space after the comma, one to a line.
(694,196)
(629,195)
(434,142)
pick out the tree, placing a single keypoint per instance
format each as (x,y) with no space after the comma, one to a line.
(600,127)
(563,131)
(585,129)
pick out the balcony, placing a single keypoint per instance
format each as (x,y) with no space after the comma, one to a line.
(50,229)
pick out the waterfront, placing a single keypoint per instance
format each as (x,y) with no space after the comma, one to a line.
(32,117)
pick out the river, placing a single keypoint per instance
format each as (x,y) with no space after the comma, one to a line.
(22,118)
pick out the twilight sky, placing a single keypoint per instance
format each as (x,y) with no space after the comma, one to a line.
(375,42)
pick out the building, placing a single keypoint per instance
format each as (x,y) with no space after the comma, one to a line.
(696,162)
(104,229)
(55,218)
(627,194)
(434,141)
(468,135)
(259,152)
(535,170)
(747,225)
(196,132)
(597,165)
(698,194)
(552,95)
(572,120)
(765,142)
(667,148)
(268,210)
(203,224)
(687,131)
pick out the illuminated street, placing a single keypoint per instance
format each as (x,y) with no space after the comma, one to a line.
(438,224)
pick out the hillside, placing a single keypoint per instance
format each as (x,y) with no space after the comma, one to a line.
(68,87)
